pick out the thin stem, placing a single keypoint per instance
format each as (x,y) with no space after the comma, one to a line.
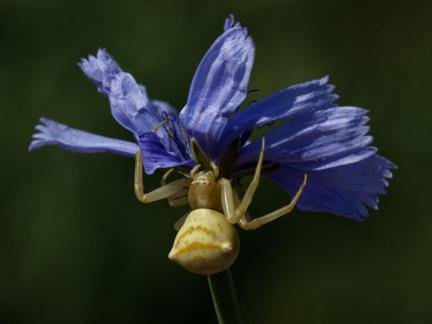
(225,298)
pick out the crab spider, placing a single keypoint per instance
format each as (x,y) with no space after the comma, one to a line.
(207,241)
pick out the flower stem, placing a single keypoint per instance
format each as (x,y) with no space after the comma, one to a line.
(225,298)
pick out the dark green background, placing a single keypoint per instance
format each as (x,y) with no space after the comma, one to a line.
(77,247)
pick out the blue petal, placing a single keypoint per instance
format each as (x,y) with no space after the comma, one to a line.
(128,99)
(230,22)
(317,140)
(346,190)
(132,108)
(155,155)
(130,104)
(288,103)
(53,133)
(219,86)
(102,70)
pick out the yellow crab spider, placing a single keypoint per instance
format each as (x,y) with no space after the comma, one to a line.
(207,242)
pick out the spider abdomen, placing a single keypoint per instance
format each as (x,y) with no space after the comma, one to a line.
(206,243)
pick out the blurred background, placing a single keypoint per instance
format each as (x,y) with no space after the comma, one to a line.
(77,247)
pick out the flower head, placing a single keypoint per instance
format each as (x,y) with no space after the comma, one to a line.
(316,136)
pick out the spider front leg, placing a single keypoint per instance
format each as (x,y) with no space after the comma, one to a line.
(237,212)
(159,193)
(230,201)
(260,221)
(247,198)
(233,210)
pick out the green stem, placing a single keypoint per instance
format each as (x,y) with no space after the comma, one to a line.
(224,298)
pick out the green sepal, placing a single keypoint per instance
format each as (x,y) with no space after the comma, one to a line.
(226,165)
(199,155)
(272,166)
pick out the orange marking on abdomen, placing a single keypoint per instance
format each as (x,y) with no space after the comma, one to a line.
(198,246)
(192,229)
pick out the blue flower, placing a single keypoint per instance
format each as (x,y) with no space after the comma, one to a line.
(315,136)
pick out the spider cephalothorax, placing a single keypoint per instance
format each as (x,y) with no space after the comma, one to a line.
(204,191)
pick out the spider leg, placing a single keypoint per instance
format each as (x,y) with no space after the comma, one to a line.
(236,212)
(246,215)
(258,222)
(162,192)
(165,176)
(230,202)
(247,198)
(227,200)
(180,222)
(180,197)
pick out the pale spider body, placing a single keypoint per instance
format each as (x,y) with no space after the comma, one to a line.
(207,242)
